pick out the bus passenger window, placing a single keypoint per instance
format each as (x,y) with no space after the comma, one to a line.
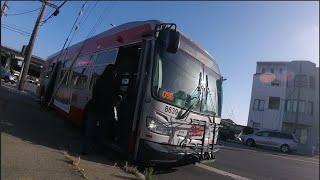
(98,70)
(79,77)
(107,57)
(83,60)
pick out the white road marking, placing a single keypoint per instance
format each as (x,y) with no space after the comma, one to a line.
(284,157)
(295,159)
(218,171)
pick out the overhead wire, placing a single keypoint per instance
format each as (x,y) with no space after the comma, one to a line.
(17,27)
(76,26)
(52,14)
(6,26)
(24,34)
(94,27)
(21,13)
(72,29)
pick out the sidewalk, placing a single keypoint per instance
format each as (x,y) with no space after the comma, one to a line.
(37,143)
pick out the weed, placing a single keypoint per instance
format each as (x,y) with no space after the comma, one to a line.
(75,163)
(148,172)
(132,170)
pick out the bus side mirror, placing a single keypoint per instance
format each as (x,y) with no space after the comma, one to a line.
(174,41)
(170,39)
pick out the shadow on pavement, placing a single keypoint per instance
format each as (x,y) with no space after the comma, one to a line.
(22,116)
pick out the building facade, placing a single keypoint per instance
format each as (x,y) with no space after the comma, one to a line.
(13,59)
(285,97)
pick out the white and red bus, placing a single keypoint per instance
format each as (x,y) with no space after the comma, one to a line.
(171,87)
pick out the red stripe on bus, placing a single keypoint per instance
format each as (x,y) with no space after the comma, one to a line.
(128,36)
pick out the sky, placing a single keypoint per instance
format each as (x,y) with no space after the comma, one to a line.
(236,34)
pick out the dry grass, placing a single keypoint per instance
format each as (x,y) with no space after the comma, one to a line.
(75,162)
(132,170)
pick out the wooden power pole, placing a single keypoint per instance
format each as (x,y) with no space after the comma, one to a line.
(4,6)
(27,58)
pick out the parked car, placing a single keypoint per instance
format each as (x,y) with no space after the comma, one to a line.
(274,139)
(7,76)
(245,131)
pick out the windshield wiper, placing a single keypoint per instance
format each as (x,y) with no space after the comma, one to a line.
(199,89)
(208,92)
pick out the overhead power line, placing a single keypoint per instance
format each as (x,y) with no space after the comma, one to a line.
(72,30)
(51,11)
(93,29)
(54,13)
(25,12)
(18,27)
(22,32)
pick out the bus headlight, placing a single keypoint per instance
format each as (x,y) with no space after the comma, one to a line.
(158,127)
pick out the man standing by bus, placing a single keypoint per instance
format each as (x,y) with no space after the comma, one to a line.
(100,114)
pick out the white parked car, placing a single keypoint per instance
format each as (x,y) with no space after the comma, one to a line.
(274,139)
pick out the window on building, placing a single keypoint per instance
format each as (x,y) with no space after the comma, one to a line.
(274,103)
(311,82)
(291,106)
(309,108)
(294,105)
(280,71)
(300,80)
(301,106)
(275,82)
(258,105)
(263,70)
(272,70)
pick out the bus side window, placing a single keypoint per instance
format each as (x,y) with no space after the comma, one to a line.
(102,59)
(106,57)
(79,77)
(97,71)
(65,80)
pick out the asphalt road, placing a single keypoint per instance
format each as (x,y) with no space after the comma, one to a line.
(32,139)
(240,162)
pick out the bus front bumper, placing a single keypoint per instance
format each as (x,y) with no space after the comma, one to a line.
(162,153)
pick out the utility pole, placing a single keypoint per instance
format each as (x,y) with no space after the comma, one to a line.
(4,6)
(27,58)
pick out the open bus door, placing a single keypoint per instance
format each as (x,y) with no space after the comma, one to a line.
(127,67)
(50,84)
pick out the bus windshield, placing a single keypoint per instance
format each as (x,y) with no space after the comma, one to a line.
(180,80)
